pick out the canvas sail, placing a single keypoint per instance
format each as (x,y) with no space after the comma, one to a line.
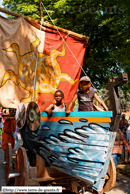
(35,62)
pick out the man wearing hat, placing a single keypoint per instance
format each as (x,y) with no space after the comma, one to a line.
(85,96)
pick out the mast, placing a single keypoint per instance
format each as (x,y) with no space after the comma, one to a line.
(41,12)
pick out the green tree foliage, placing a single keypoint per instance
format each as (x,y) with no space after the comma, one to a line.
(124,99)
(106,22)
(125,102)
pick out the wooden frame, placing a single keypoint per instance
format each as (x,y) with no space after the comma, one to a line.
(36,22)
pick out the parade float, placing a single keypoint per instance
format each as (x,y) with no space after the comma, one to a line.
(75,151)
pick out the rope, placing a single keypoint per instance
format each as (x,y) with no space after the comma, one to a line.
(68,34)
(68,46)
(36,65)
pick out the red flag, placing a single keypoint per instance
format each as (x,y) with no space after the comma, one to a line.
(70,63)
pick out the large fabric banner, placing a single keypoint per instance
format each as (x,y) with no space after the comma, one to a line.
(35,62)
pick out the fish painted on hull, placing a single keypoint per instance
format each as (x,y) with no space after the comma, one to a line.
(79,145)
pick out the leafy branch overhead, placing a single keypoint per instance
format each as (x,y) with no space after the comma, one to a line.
(105,22)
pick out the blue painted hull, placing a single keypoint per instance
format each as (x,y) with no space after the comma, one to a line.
(79,148)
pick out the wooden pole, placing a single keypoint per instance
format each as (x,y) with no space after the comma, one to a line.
(34,21)
(41,12)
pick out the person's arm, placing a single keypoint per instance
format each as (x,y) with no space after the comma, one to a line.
(11,118)
(8,117)
(71,104)
(100,101)
(97,108)
(48,110)
(125,142)
(127,124)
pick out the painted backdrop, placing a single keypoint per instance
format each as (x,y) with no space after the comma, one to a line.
(35,62)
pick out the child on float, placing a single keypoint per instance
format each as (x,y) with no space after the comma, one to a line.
(59,106)
(85,97)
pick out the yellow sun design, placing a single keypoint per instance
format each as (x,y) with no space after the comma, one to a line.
(48,73)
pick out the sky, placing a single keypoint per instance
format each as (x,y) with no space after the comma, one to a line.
(4,15)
